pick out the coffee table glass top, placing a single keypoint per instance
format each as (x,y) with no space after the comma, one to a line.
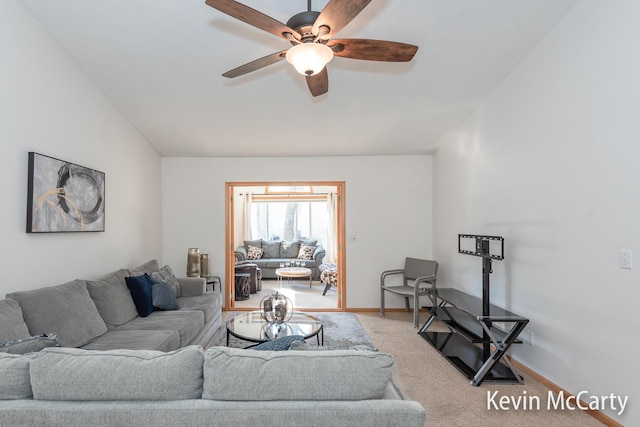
(250,326)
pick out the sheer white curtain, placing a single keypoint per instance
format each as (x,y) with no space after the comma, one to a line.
(247,202)
(332,228)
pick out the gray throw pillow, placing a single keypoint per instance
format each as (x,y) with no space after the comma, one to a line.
(12,326)
(30,345)
(163,297)
(165,275)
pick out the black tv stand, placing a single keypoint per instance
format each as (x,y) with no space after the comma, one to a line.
(472,344)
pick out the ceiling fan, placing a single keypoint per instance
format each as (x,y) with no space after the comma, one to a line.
(311,34)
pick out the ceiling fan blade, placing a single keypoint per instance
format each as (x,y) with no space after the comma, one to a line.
(252,17)
(336,14)
(373,50)
(319,83)
(256,65)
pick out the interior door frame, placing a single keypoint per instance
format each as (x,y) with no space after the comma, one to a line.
(229,236)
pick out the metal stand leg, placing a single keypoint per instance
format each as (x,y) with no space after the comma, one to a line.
(501,347)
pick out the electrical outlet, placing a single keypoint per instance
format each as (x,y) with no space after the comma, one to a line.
(625,258)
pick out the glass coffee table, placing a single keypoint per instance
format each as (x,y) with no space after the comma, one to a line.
(250,326)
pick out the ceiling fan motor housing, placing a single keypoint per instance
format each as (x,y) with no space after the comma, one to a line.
(303,22)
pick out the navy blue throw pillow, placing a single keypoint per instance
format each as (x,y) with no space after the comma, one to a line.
(279,344)
(140,288)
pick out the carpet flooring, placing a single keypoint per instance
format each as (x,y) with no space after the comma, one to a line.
(450,401)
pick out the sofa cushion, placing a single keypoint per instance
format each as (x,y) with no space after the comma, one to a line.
(14,371)
(257,243)
(136,340)
(165,275)
(76,374)
(290,249)
(208,303)
(271,249)
(141,292)
(163,296)
(306,252)
(113,298)
(188,323)
(30,345)
(66,310)
(254,252)
(148,267)
(12,326)
(299,375)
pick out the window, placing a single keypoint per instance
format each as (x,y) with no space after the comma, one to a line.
(289,220)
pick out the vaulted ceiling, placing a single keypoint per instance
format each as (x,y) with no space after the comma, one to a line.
(161,62)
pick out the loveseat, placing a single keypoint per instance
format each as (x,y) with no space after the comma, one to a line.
(103,314)
(217,387)
(272,253)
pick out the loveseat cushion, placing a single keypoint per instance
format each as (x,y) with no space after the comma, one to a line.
(66,310)
(271,249)
(113,298)
(76,374)
(290,249)
(14,371)
(299,375)
(12,326)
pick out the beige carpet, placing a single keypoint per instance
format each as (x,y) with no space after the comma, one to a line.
(445,393)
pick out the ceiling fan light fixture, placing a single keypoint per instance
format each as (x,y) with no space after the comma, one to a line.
(309,58)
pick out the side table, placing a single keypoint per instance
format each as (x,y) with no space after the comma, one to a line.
(211,283)
(242,286)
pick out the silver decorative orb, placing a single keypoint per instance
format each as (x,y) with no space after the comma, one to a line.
(276,308)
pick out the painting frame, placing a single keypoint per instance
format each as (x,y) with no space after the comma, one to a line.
(63,197)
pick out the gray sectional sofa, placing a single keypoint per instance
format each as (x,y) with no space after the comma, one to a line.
(102,315)
(276,252)
(219,387)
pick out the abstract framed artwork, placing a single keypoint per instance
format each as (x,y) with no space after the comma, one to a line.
(63,196)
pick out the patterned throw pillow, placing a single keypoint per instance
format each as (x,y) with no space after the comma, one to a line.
(165,275)
(279,344)
(254,252)
(30,345)
(306,252)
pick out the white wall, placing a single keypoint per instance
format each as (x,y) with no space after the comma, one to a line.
(550,162)
(48,105)
(388,208)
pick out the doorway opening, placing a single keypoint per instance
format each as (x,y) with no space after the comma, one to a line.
(277,225)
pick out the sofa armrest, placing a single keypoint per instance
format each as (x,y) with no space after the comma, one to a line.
(240,253)
(192,286)
(318,255)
